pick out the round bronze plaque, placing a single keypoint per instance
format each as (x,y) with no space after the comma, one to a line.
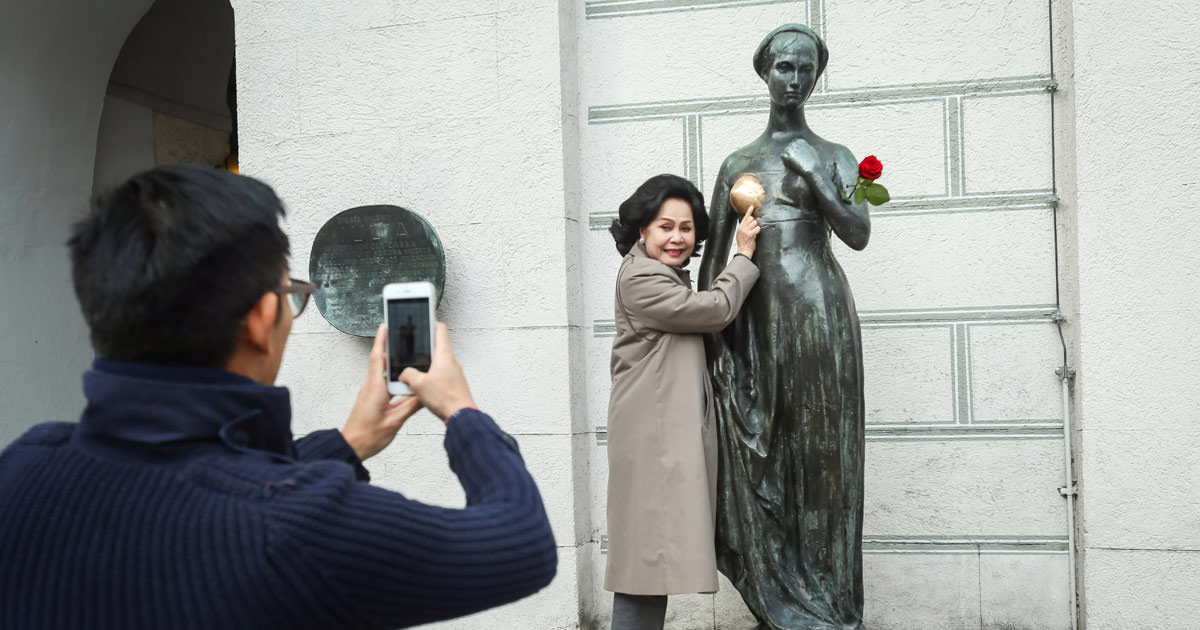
(362,249)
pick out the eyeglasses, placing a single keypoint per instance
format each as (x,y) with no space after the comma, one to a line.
(296,292)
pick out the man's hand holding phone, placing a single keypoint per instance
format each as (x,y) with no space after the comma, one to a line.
(377,415)
(443,390)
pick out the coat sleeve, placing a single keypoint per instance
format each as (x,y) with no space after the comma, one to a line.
(396,562)
(657,301)
(329,444)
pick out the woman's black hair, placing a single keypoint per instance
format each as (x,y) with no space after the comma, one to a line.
(643,205)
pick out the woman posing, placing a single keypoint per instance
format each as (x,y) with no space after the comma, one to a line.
(662,446)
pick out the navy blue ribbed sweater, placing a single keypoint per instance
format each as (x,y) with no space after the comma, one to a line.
(180,501)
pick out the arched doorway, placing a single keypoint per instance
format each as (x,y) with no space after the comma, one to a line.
(56,60)
(170,98)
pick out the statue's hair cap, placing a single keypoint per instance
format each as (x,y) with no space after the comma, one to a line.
(764,47)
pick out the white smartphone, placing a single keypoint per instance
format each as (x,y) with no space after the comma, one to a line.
(408,312)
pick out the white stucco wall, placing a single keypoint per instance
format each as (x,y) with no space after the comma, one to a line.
(55,58)
(1139,310)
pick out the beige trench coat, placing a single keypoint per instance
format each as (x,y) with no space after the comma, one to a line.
(662,442)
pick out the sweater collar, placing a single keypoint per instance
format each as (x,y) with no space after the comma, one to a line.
(639,251)
(161,405)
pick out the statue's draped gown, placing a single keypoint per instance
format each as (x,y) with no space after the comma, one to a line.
(789,402)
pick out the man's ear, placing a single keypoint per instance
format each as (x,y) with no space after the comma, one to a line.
(260,321)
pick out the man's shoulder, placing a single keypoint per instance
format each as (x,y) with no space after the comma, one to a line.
(47,434)
(38,442)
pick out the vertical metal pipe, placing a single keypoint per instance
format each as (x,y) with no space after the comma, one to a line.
(1068,491)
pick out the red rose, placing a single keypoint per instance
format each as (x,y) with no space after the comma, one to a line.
(870,168)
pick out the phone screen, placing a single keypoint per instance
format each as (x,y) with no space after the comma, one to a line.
(409,344)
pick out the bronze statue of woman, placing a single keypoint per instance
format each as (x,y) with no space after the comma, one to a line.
(788,372)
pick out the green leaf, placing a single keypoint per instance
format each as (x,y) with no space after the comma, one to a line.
(877,195)
(859,194)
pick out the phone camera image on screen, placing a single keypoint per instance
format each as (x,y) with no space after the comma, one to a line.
(409,344)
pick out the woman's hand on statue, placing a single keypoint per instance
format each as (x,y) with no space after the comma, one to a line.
(747,235)
(801,157)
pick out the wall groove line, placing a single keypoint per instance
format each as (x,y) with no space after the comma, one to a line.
(1002,201)
(950,544)
(943,432)
(602,9)
(816,21)
(959,316)
(874,95)
(956,373)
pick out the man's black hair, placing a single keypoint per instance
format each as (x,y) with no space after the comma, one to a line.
(643,205)
(169,263)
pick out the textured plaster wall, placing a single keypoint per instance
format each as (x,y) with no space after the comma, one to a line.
(1139,310)
(55,59)
(453,110)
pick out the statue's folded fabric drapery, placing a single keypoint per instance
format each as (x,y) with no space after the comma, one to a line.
(790,419)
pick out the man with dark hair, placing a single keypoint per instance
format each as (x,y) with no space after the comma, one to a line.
(181,500)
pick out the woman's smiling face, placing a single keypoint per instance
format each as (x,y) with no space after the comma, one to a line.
(671,236)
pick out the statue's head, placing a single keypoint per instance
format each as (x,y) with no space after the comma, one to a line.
(790,59)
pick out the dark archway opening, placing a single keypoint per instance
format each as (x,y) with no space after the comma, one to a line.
(171,97)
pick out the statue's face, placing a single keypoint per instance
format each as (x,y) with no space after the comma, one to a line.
(793,70)
(671,236)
